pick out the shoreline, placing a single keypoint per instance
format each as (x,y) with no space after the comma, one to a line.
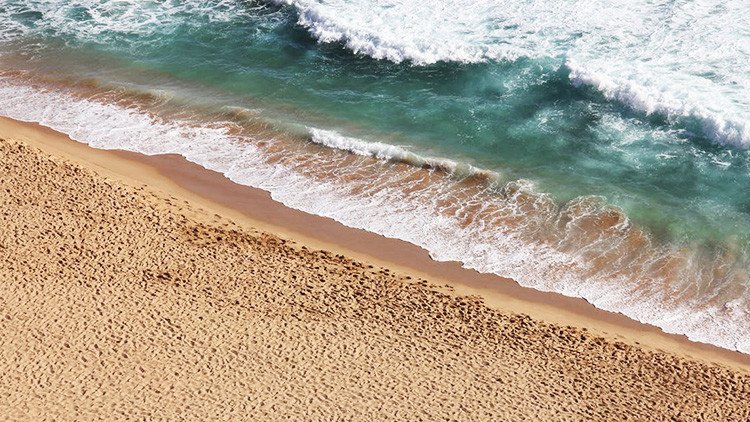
(253,208)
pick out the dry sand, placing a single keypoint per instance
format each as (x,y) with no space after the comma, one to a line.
(119,300)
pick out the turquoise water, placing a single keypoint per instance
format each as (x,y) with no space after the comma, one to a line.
(535,97)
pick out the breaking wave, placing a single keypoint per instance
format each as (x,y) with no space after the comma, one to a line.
(394,153)
(689,63)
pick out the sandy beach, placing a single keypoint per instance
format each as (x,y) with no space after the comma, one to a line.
(136,287)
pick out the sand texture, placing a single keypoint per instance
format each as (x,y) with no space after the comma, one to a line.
(118,301)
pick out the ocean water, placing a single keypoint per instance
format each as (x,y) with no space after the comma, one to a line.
(592,148)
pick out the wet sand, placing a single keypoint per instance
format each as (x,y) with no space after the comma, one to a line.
(149,287)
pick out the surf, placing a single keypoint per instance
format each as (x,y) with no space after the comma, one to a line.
(596,42)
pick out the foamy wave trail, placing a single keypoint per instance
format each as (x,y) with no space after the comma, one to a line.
(689,62)
(107,22)
(582,249)
(420,32)
(723,125)
(395,153)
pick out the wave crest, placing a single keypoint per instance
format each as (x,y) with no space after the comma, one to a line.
(394,153)
(722,127)
(690,65)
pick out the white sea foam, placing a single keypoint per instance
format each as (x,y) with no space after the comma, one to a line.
(423,32)
(687,60)
(105,22)
(420,217)
(390,152)
(724,125)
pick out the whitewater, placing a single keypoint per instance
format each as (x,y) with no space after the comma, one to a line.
(685,60)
